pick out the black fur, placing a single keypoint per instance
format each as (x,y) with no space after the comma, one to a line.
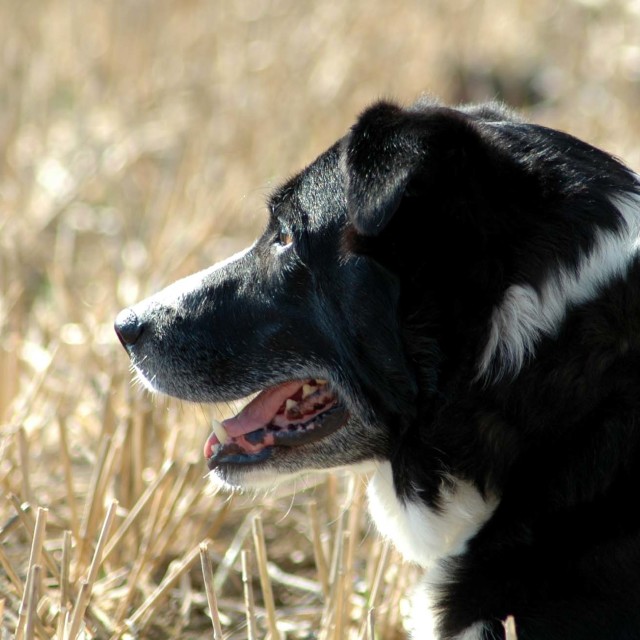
(407,235)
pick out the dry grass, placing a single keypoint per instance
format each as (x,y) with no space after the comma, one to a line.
(137,141)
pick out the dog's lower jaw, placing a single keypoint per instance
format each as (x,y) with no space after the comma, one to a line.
(356,446)
(249,479)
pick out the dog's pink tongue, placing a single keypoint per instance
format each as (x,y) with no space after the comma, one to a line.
(258,413)
(261,410)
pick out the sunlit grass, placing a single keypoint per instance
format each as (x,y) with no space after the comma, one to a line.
(137,143)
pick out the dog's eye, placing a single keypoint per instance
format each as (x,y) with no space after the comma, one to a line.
(285,237)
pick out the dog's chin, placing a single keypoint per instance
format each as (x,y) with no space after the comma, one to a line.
(253,479)
(291,469)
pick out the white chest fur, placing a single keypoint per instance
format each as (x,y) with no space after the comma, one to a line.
(425,536)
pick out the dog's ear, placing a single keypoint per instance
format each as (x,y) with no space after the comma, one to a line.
(382,153)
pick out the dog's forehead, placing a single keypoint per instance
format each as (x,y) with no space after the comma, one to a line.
(316,193)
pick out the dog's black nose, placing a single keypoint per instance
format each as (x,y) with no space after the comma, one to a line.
(128,327)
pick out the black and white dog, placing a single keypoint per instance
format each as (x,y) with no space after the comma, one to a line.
(448,299)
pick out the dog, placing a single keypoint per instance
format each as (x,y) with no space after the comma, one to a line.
(449,300)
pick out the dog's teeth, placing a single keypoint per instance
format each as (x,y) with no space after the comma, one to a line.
(290,404)
(220,432)
(321,381)
(307,390)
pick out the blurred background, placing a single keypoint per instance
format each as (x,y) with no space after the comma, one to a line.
(138,140)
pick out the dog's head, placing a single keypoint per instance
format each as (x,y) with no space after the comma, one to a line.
(378,280)
(308,325)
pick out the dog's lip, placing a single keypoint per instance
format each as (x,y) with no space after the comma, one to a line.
(285,415)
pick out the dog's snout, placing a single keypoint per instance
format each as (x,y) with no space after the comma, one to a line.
(128,327)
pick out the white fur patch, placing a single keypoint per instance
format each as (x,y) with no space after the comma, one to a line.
(421,534)
(425,536)
(422,624)
(525,315)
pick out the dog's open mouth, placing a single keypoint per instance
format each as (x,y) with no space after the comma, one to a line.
(287,415)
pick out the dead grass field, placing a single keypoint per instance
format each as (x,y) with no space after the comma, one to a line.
(138,139)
